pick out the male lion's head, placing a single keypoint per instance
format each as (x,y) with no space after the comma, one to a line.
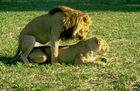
(75,23)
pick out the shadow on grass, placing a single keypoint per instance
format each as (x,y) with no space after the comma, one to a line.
(84,5)
(8,60)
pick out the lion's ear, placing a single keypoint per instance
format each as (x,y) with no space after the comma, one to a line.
(55,10)
(86,20)
(98,40)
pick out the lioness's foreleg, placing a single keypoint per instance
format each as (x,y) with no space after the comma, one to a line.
(27,44)
(89,60)
(95,60)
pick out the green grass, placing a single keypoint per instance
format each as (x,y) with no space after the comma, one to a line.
(117,22)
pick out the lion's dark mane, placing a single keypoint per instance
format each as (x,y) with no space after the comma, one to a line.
(70,20)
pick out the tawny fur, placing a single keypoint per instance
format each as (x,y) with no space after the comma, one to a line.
(79,53)
(60,23)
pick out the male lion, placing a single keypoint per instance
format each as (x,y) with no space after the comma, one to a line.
(60,23)
(82,52)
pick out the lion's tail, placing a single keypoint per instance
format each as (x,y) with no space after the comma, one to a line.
(15,57)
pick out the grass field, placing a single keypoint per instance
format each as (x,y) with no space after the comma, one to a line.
(118,22)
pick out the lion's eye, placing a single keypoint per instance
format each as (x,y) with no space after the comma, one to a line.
(86,31)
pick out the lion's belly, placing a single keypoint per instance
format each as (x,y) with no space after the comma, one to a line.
(42,38)
(40,33)
(66,55)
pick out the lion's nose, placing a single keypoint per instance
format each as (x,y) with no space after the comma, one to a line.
(80,38)
(104,53)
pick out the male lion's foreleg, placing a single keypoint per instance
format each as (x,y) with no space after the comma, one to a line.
(27,44)
(54,51)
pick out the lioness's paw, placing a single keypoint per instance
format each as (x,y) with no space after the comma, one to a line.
(29,64)
(56,63)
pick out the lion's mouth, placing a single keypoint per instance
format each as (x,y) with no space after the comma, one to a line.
(81,38)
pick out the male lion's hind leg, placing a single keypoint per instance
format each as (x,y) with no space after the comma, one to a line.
(27,44)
